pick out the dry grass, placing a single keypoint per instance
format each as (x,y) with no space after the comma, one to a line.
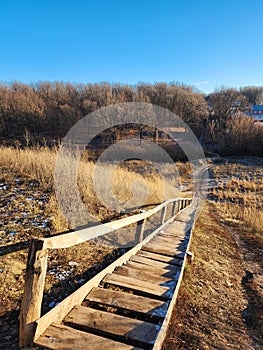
(129,182)
(239,195)
(34,163)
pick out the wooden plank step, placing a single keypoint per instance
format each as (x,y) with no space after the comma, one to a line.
(105,323)
(60,337)
(167,243)
(147,288)
(152,269)
(160,257)
(163,240)
(151,277)
(162,249)
(128,301)
(155,263)
(173,246)
(178,227)
(170,235)
(160,242)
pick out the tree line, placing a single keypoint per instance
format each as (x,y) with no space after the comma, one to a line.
(49,109)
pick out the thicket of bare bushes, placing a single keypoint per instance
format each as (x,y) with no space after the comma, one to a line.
(229,130)
(47,110)
(52,108)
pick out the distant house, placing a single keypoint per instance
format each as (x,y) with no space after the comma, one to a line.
(256,112)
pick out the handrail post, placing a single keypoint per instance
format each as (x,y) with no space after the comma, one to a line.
(164,210)
(175,206)
(140,230)
(33,294)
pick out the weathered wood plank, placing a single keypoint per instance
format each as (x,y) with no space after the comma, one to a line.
(154,263)
(162,249)
(172,234)
(153,269)
(170,237)
(165,247)
(159,257)
(173,246)
(106,323)
(60,337)
(128,301)
(178,228)
(138,286)
(168,242)
(147,276)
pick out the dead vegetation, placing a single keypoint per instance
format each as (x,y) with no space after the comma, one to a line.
(238,194)
(29,208)
(37,165)
(220,301)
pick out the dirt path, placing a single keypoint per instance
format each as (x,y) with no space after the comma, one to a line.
(217,299)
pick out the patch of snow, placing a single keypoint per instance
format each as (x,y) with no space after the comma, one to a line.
(52,304)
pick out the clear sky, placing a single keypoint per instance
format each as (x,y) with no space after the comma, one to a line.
(208,43)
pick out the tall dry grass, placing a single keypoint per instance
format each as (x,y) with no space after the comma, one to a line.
(37,163)
(250,216)
(239,195)
(128,186)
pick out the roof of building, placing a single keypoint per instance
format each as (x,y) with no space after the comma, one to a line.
(257,107)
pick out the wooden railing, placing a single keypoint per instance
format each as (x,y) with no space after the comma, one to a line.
(38,256)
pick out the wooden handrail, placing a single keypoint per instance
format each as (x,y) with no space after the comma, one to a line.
(38,254)
(70,239)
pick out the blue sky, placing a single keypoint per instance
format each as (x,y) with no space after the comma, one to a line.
(208,43)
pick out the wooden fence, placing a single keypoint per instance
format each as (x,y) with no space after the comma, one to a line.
(32,324)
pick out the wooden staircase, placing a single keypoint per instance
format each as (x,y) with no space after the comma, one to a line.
(130,307)
(135,296)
